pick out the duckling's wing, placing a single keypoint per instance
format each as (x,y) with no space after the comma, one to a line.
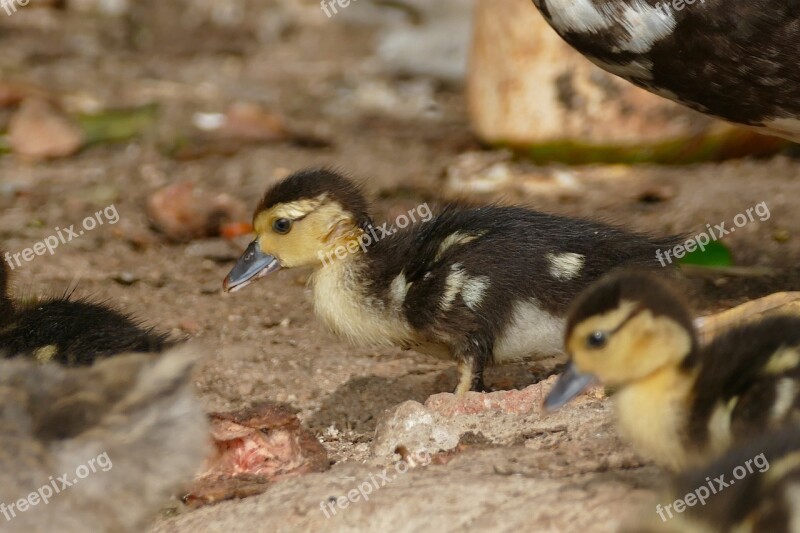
(753,372)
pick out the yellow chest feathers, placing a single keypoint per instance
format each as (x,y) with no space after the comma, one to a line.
(652,415)
(343,304)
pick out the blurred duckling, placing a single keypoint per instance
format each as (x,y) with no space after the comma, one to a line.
(100,448)
(67,330)
(753,487)
(677,402)
(477,284)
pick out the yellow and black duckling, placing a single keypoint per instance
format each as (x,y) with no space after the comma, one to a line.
(67,330)
(481,285)
(678,402)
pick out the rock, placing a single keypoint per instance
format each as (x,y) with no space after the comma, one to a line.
(253,448)
(251,122)
(126,278)
(433,40)
(510,402)
(418,38)
(126,434)
(544,477)
(414,427)
(183,212)
(13,93)
(40,130)
(446,420)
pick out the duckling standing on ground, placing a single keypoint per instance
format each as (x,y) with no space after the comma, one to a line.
(677,402)
(68,331)
(481,285)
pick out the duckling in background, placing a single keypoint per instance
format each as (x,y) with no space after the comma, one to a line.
(478,284)
(751,488)
(678,402)
(733,60)
(99,448)
(69,331)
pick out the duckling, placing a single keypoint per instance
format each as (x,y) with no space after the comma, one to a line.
(733,60)
(678,402)
(99,448)
(753,487)
(478,284)
(67,330)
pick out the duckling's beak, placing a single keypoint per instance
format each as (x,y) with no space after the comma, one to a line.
(571,383)
(253,264)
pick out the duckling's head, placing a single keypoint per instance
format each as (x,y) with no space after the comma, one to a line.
(300,220)
(622,329)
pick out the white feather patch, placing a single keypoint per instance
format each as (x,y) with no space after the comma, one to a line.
(532,333)
(645,24)
(565,266)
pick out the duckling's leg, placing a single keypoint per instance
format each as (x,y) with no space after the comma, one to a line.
(469,378)
(470,367)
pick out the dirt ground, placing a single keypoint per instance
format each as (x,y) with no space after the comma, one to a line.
(564,474)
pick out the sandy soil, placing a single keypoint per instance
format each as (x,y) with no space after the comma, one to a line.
(265,342)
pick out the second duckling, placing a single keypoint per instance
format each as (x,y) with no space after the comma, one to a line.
(478,284)
(70,331)
(677,402)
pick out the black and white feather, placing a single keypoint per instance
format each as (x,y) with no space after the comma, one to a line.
(736,60)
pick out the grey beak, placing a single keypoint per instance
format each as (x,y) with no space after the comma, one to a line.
(253,264)
(571,383)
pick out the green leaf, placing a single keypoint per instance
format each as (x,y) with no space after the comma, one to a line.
(715,254)
(117,125)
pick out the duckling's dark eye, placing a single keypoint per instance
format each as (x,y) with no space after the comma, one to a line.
(282,226)
(596,339)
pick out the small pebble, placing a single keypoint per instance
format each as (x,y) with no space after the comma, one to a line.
(126,278)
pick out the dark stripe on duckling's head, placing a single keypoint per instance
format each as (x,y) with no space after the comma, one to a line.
(313,184)
(639,288)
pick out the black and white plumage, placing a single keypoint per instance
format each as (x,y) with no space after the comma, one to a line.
(733,59)
(678,402)
(478,284)
(68,330)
